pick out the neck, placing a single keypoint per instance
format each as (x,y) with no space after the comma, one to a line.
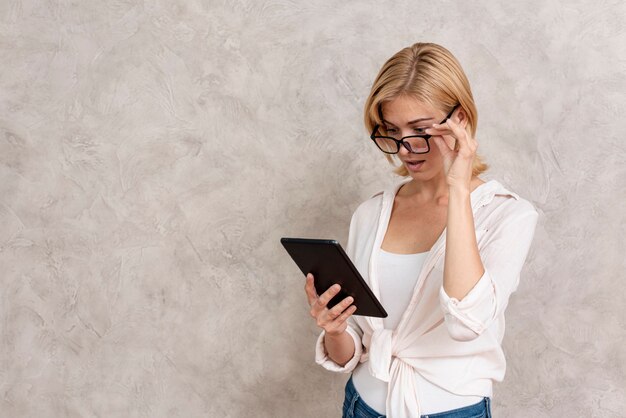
(431,190)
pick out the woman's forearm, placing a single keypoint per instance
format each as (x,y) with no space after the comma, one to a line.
(462,265)
(340,348)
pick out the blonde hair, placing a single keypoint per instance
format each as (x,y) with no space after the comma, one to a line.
(429,73)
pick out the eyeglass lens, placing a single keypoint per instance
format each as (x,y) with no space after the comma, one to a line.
(416,144)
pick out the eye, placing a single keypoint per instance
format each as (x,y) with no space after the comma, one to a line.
(420,131)
(391,130)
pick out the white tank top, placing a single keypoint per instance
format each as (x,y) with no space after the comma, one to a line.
(398,274)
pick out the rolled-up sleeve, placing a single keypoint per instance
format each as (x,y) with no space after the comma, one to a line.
(321,356)
(503,257)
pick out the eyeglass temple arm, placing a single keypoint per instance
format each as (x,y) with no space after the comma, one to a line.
(374,131)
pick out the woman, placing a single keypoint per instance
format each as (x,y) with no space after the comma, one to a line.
(442,250)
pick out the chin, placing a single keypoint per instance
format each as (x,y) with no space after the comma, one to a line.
(424,174)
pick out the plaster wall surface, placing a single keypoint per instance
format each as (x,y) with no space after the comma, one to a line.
(153,153)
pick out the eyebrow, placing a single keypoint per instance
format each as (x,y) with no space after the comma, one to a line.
(409,122)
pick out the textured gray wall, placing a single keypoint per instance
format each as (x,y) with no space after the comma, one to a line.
(153,153)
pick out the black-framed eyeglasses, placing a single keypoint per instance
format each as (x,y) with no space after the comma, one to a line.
(416,144)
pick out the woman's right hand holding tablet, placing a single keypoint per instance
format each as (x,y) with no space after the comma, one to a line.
(333,320)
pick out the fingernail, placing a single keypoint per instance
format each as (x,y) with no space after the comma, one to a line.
(350,300)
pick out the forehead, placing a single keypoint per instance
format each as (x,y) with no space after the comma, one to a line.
(404,108)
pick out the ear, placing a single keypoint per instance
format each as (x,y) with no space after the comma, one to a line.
(460,117)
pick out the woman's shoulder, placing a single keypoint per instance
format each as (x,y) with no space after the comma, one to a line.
(370,206)
(375,202)
(499,196)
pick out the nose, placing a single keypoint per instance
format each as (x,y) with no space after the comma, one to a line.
(404,149)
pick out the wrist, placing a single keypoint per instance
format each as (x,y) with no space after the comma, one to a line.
(459,189)
(335,335)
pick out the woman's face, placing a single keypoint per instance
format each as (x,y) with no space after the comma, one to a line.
(407,116)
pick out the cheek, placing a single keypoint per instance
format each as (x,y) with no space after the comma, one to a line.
(450,141)
(434,156)
(434,149)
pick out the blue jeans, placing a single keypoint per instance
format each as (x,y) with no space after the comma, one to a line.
(354,407)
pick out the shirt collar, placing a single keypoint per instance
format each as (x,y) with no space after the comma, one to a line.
(480,196)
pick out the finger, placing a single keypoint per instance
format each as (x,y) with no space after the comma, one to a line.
(437,129)
(344,316)
(457,131)
(444,149)
(442,130)
(446,133)
(340,307)
(330,293)
(451,142)
(320,304)
(348,312)
(309,288)
(465,146)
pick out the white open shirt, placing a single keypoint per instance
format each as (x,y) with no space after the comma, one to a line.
(453,344)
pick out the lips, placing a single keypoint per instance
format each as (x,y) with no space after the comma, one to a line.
(414,165)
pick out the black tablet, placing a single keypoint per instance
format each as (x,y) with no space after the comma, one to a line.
(329,264)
